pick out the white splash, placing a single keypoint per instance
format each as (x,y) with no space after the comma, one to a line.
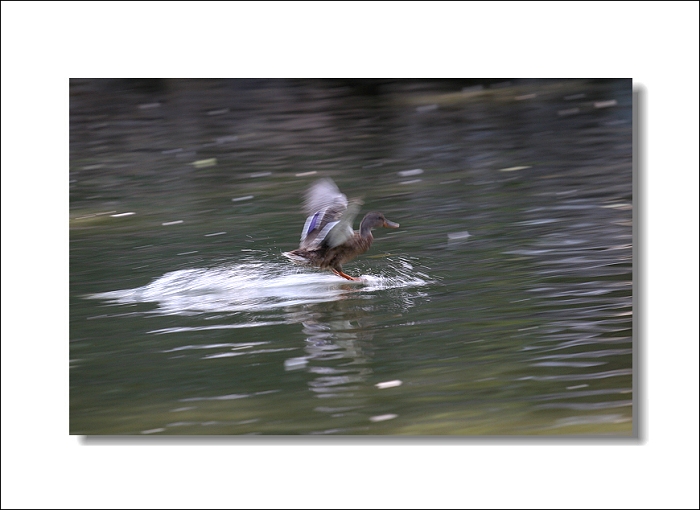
(255,286)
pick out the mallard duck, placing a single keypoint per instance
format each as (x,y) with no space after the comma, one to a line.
(327,239)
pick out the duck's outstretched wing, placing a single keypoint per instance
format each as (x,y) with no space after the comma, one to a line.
(342,229)
(324,194)
(326,207)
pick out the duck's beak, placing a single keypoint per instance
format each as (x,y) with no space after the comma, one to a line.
(390,224)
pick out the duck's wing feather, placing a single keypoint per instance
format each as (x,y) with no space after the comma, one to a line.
(342,230)
(326,206)
(322,195)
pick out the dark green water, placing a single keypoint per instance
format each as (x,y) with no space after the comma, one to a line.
(502,305)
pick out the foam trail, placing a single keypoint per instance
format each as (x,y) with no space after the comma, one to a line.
(255,286)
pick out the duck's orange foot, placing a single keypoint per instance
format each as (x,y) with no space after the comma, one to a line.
(346,276)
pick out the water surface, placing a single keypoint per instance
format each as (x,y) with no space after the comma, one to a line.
(502,305)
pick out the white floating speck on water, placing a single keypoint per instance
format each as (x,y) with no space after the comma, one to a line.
(93,215)
(148,106)
(412,181)
(188,252)
(409,173)
(259,174)
(624,207)
(241,199)
(604,104)
(514,168)
(543,221)
(204,163)
(383,417)
(427,108)
(295,363)
(568,111)
(457,236)
(177,222)
(388,384)
(122,214)
(214,234)
(152,431)
(304,174)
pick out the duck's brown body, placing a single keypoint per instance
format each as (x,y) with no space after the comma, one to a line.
(327,240)
(334,258)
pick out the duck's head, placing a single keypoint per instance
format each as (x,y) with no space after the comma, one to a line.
(375,220)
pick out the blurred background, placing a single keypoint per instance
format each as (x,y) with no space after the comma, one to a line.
(502,305)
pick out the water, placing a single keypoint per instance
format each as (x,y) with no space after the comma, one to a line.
(502,305)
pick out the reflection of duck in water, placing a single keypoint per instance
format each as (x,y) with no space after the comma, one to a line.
(328,240)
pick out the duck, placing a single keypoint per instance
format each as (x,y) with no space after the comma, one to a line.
(328,240)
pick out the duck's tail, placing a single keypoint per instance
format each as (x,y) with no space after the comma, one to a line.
(296,258)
